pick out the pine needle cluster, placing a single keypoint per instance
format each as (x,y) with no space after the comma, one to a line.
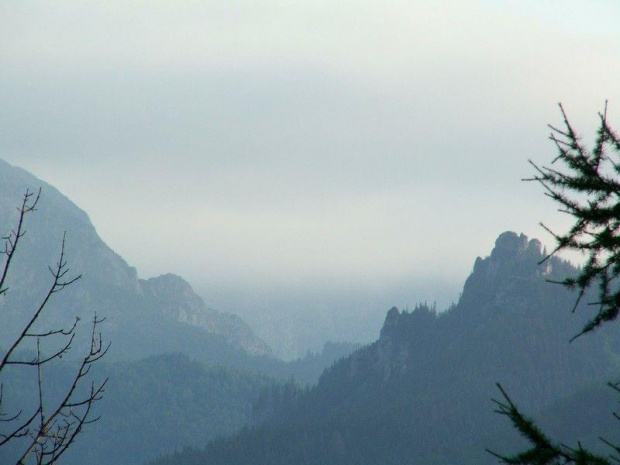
(585,183)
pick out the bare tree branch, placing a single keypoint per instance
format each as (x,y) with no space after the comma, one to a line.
(47,433)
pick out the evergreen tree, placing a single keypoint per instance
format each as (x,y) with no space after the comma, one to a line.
(585,183)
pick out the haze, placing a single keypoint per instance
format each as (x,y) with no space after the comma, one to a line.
(280,150)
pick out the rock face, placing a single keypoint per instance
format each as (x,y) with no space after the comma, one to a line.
(506,291)
(176,299)
(143,317)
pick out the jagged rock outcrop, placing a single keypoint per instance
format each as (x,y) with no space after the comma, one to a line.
(176,299)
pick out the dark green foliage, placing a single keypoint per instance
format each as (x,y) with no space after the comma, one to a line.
(155,406)
(276,400)
(167,403)
(543,451)
(587,188)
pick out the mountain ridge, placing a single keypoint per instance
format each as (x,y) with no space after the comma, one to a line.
(109,285)
(423,390)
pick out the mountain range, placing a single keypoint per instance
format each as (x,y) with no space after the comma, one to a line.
(184,375)
(422,393)
(173,360)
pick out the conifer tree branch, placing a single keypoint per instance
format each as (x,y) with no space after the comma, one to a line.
(587,188)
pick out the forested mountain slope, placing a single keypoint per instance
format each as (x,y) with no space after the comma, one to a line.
(191,348)
(422,393)
(150,407)
(166,402)
(144,317)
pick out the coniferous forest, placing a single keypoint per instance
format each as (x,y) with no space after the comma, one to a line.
(309,233)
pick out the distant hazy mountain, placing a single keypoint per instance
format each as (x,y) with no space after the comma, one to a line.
(144,317)
(295,319)
(422,393)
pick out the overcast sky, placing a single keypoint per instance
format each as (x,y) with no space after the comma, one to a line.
(270,143)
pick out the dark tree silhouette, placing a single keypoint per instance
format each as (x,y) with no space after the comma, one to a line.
(586,186)
(41,434)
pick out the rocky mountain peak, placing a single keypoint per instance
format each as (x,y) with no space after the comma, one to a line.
(405,323)
(495,281)
(513,257)
(510,246)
